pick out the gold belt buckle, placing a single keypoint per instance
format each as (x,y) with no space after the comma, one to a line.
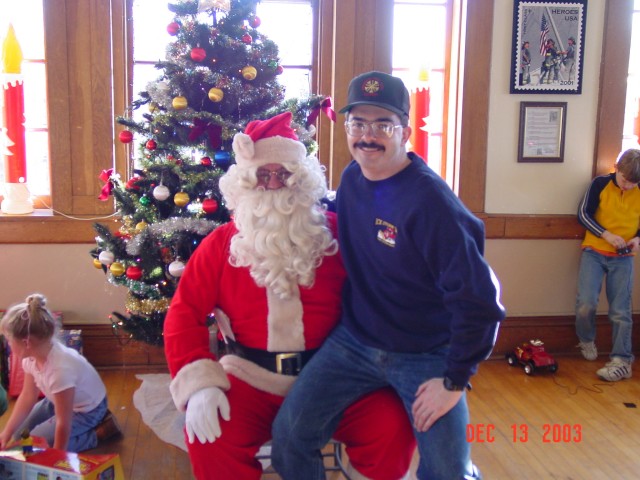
(284,358)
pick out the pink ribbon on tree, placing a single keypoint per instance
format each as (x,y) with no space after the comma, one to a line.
(105,176)
(324,106)
(213,131)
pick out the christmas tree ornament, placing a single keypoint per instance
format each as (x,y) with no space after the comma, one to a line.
(151,144)
(97,263)
(180,103)
(134,272)
(145,201)
(116,269)
(279,70)
(141,225)
(161,193)
(198,54)
(106,257)
(176,268)
(216,94)
(247,39)
(132,184)
(222,5)
(209,205)
(181,199)
(125,136)
(206,161)
(153,107)
(249,72)
(173,28)
(254,21)
(222,159)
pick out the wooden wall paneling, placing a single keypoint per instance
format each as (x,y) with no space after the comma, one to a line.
(59,109)
(475,104)
(616,45)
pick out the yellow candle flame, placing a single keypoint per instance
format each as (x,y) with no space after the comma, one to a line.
(11,53)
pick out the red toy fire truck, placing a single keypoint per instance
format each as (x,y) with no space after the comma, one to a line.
(532,356)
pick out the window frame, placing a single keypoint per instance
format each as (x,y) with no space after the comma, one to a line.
(80,149)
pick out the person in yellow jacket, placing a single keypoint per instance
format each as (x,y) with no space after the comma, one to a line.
(610,211)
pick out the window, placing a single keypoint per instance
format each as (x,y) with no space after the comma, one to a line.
(26,17)
(631,132)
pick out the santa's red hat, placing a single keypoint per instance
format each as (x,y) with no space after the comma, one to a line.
(268,141)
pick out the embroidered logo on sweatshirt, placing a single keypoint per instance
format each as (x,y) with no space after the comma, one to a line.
(386,233)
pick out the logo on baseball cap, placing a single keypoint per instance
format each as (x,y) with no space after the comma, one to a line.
(379,89)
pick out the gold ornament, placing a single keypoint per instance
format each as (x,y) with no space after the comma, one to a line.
(181,199)
(249,72)
(216,95)
(116,269)
(179,103)
(140,226)
(97,263)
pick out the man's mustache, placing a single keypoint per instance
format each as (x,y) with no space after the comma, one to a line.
(368,145)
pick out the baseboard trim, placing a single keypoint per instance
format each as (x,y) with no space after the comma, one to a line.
(105,347)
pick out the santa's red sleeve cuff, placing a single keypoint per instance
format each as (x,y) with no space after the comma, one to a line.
(195,376)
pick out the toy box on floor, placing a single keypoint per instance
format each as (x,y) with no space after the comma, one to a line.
(52,464)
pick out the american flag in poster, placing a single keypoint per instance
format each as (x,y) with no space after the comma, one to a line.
(544,30)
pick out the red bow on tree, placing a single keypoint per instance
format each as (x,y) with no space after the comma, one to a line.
(213,131)
(324,106)
(105,176)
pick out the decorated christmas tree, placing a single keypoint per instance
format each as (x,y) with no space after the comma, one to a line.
(220,73)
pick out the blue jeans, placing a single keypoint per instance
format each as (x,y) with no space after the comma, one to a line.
(41,422)
(342,371)
(619,284)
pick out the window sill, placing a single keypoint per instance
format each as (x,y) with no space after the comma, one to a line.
(43,226)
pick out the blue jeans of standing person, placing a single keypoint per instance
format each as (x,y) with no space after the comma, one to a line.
(41,422)
(618,271)
(342,371)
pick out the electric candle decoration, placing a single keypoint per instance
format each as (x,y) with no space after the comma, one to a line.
(16,195)
(420,99)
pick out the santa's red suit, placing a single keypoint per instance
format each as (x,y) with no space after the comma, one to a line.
(376,430)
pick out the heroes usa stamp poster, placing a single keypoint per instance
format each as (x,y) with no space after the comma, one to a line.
(548,43)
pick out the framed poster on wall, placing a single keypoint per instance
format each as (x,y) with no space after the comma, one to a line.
(548,46)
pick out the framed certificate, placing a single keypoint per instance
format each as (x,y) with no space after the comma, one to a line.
(542,130)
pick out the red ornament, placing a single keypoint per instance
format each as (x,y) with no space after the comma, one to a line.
(246,38)
(254,22)
(198,54)
(134,272)
(279,70)
(173,28)
(206,161)
(209,205)
(151,145)
(125,136)
(132,183)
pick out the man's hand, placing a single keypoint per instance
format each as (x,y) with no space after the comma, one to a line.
(202,414)
(432,402)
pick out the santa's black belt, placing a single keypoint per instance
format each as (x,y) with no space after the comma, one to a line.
(285,363)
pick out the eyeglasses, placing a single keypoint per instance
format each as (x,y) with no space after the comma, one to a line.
(356,128)
(264,176)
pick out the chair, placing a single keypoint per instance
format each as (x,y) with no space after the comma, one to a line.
(331,455)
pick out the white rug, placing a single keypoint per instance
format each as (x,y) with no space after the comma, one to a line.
(153,401)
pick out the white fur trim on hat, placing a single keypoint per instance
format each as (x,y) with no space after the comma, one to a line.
(267,150)
(194,377)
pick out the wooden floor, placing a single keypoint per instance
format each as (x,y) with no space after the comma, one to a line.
(570,425)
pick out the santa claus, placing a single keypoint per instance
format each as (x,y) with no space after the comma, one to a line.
(273,276)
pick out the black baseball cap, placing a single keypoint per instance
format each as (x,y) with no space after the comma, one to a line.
(379,89)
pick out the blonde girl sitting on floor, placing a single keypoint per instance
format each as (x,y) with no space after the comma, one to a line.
(73,414)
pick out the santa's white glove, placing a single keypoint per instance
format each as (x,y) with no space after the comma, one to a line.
(202,414)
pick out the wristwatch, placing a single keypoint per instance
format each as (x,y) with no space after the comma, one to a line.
(452,387)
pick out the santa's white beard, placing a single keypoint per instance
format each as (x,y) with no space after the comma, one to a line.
(282,238)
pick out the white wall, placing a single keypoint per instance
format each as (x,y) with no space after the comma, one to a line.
(540,188)
(65,275)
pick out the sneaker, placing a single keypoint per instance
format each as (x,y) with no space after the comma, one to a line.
(616,369)
(108,427)
(589,350)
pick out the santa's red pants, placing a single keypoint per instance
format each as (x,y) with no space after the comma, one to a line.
(376,431)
